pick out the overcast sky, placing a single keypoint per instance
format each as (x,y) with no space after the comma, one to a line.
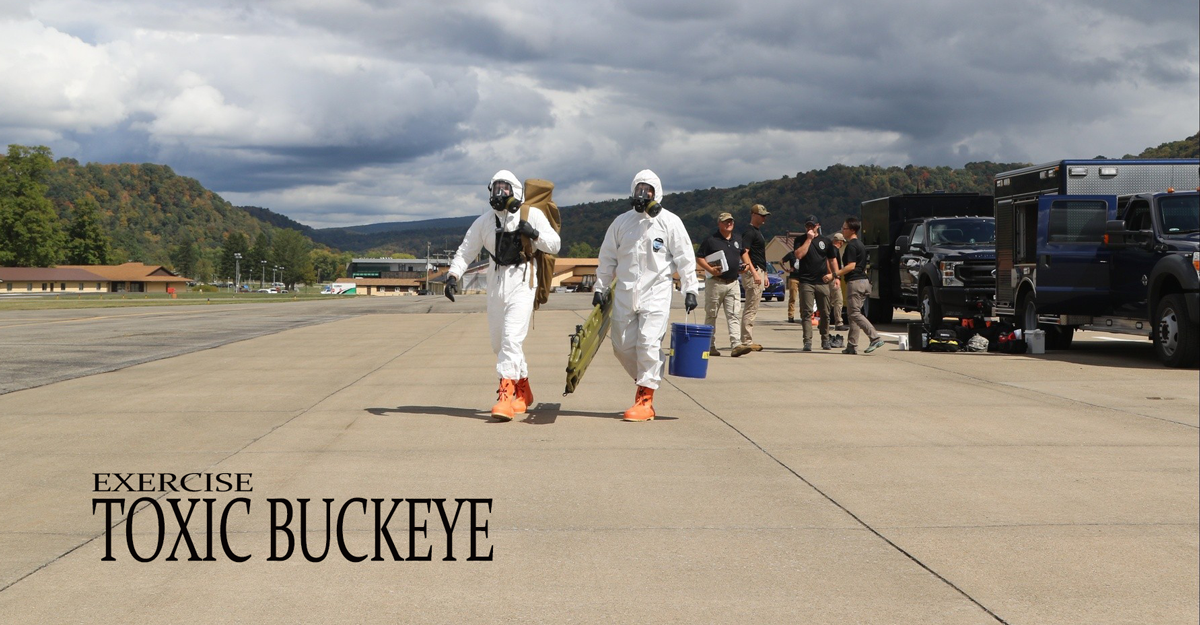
(341,112)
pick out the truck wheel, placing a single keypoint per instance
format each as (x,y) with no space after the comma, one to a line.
(877,311)
(931,310)
(1059,337)
(1029,316)
(1175,339)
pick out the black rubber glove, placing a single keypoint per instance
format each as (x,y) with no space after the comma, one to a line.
(689,302)
(527,229)
(451,287)
(597,298)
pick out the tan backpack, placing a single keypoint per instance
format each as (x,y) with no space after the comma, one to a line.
(539,193)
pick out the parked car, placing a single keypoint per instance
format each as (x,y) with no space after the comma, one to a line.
(775,287)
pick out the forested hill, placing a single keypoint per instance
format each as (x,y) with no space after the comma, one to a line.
(1184,148)
(148,209)
(269,216)
(831,194)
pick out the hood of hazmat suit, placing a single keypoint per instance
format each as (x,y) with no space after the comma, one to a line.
(511,179)
(651,179)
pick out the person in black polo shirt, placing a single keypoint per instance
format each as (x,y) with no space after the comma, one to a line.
(858,288)
(723,257)
(754,281)
(816,263)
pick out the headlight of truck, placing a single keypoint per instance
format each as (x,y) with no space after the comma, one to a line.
(949,273)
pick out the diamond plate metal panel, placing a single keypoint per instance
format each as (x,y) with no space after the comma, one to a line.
(1134,178)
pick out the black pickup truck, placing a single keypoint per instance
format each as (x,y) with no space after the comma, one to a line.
(932,252)
(947,268)
(1106,245)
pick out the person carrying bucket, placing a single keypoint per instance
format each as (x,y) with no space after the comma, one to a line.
(641,250)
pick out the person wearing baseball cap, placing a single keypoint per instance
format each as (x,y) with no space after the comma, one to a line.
(723,257)
(837,288)
(817,261)
(754,280)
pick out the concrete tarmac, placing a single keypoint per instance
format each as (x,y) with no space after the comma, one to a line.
(786,487)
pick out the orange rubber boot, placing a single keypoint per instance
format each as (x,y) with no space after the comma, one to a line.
(524,396)
(503,410)
(643,406)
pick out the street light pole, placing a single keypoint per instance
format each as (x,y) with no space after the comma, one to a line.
(263,277)
(281,280)
(428,245)
(237,272)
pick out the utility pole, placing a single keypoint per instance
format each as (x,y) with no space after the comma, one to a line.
(428,246)
(237,272)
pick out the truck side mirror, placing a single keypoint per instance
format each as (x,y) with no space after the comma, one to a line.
(1115,234)
(902,244)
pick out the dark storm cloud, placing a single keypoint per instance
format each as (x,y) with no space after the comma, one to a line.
(335,103)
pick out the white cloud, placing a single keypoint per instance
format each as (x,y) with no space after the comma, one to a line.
(349,111)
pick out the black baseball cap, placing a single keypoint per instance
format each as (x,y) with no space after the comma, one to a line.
(812,219)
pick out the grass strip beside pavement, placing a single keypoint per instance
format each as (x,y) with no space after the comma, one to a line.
(128,300)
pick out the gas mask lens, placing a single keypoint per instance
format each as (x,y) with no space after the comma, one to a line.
(643,197)
(502,196)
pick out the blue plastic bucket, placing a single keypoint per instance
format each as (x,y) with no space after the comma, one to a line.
(689,350)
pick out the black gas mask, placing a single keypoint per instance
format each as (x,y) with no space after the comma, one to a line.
(502,197)
(643,200)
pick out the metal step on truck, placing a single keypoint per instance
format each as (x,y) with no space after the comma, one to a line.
(1104,245)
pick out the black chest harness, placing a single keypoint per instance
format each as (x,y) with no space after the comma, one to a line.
(508,247)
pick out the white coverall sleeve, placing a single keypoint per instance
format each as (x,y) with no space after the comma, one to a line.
(684,258)
(548,240)
(606,271)
(470,246)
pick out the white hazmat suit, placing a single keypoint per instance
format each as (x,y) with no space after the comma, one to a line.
(637,259)
(510,289)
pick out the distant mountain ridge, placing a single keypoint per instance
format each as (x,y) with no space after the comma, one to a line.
(148,209)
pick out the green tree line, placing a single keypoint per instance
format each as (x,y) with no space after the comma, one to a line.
(65,213)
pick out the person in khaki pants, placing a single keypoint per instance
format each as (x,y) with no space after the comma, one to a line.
(721,284)
(754,280)
(793,284)
(837,289)
(859,287)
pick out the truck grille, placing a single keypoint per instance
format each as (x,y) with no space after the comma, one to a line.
(977,273)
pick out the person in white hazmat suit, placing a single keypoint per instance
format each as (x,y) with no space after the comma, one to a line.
(511,283)
(641,249)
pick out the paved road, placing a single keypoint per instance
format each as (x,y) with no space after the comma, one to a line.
(892,488)
(45,346)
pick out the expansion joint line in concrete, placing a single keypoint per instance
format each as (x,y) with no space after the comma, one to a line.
(238,451)
(843,508)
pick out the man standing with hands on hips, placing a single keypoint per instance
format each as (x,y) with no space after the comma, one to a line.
(723,257)
(641,250)
(754,281)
